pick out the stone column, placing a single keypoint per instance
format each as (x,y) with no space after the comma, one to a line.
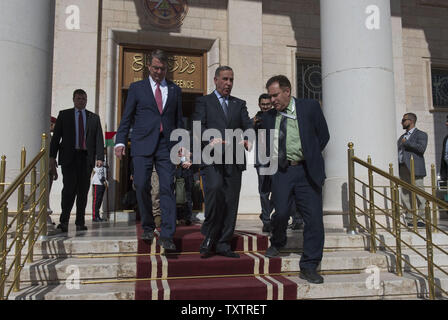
(75,67)
(26,46)
(245,47)
(358,89)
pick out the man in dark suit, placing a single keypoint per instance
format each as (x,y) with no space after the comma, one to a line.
(81,148)
(222,180)
(412,143)
(154,109)
(301,135)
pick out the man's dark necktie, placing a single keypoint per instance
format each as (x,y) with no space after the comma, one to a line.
(225,108)
(81,138)
(159,102)
(282,161)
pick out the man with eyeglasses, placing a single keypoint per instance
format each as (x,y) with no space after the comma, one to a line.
(154,110)
(412,143)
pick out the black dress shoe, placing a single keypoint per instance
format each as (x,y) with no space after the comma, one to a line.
(167,244)
(97,219)
(272,252)
(228,253)
(419,224)
(81,228)
(147,236)
(206,248)
(267,227)
(311,276)
(62,227)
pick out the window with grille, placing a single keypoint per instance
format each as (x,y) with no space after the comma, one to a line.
(439,82)
(309,79)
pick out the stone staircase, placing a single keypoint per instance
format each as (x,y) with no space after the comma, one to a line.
(106,252)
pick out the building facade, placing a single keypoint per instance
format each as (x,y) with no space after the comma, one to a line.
(399,47)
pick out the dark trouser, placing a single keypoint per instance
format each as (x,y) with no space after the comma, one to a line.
(264,189)
(186,211)
(97,200)
(287,185)
(142,181)
(76,181)
(222,195)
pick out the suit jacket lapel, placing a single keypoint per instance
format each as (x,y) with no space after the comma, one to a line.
(299,118)
(88,122)
(218,106)
(71,121)
(170,96)
(151,94)
(231,108)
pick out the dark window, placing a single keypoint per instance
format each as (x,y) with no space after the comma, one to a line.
(439,79)
(309,79)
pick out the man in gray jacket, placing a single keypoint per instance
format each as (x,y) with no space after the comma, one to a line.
(412,143)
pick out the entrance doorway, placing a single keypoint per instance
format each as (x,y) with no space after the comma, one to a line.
(187,68)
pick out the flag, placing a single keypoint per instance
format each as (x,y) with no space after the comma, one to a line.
(110,138)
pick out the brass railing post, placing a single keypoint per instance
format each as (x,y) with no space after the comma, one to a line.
(397,227)
(32,204)
(372,209)
(3,240)
(351,188)
(429,252)
(391,172)
(435,219)
(413,197)
(19,225)
(43,190)
(2,174)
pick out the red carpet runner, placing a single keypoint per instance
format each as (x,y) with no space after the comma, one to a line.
(186,276)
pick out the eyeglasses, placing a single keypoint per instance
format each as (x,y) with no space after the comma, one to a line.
(404,120)
(265,104)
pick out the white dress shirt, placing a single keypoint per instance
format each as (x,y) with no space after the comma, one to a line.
(163,88)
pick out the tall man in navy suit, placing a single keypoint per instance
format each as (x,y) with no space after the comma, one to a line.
(301,135)
(78,138)
(222,181)
(154,109)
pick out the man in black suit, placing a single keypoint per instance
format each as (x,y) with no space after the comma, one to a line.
(81,148)
(154,109)
(412,143)
(301,135)
(221,179)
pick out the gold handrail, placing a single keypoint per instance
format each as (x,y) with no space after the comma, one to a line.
(22,217)
(430,214)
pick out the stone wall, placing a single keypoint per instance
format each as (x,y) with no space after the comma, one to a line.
(425,41)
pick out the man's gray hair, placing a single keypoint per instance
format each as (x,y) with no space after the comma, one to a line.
(159,54)
(222,68)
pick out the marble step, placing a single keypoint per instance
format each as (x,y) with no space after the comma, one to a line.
(334,287)
(58,270)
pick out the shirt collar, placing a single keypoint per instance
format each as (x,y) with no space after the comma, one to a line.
(220,96)
(290,109)
(154,84)
(411,131)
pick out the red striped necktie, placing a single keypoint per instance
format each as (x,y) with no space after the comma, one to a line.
(159,102)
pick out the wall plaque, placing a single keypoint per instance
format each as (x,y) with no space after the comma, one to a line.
(166,13)
(185,70)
